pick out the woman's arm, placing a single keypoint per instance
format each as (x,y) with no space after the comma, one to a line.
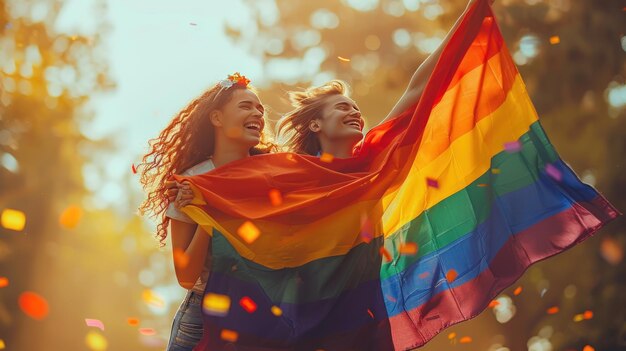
(195,242)
(420,77)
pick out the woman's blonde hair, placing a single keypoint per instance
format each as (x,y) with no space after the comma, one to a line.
(187,140)
(293,128)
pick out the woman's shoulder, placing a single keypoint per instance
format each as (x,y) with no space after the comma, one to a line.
(200,168)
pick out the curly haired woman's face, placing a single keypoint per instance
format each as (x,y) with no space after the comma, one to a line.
(241,119)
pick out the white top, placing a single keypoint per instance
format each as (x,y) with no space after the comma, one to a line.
(174,213)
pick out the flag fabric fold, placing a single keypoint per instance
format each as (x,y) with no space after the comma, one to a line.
(440,209)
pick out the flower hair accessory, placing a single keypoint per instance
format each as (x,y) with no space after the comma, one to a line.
(233,79)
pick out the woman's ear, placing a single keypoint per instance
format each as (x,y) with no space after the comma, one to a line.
(216,118)
(314,126)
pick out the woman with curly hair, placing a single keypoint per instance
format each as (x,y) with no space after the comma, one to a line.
(224,124)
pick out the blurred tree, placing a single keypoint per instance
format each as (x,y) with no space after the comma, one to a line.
(570,54)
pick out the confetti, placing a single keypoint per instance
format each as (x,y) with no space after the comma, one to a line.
(433,183)
(147,331)
(513,146)
(229,335)
(555,39)
(370,313)
(248,232)
(4,282)
(277,311)
(408,249)
(94,323)
(588,314)
(70,217)
(326,157)
(133,168)
(343,59)
(451,275)
(611,250)
(13,219)
(579,317)
(482,185)
(275,197)
(192,24)
(423,275)
(451,336)
(553,310)
(33,305)
(553,172)
(216,305)
(517,291)
(391,298)
(152,299)
(2,345)
(385,254)
(95,341)
(494,303)
(465,340)
(247,304)
(181,259)
(543,292)
(496,171)
(133,322)
(588,348)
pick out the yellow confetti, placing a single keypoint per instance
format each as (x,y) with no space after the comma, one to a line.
(517,291)
(326,157)
(555,39)
(2,345)
(95,341)
(70,217)
(553,310)
(229,335)
(495,170)
(408,249)
(133,322)
(451,336)
(277,311)
(248,232)
(216,304)
(465,340)
(343,59)
(275,197)
(13,219)
(152,298)
(451,275)
(579,317)
(181,259)
(4,282)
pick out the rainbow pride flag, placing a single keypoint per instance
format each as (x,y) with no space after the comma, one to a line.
(441,209)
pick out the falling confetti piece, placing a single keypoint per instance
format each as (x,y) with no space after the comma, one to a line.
(611,250)
(94,323)
(152,299)
(370,313)
(517,291)
(248,232)
(553,310)
(555,39)
(482,185)
(192,24)
(2,345)
(543,292)
(181,259)
(391,298)
(494,303)
(496,170)
(229,335)
(13,219)
(133,168)
(147,331)
(588,348)
(248,304)
(451,336)
(385,254)
(33,305)
(579,317)
(326,157)
(4,282)
(513,146)
(423,275)
(588,314)
(95,341)
(451,275)
(275,197)
(277,311)
(343,59)
(133,321)
(465,340)
(408,249)
(70,217)
(433,183)
(553,172)
(216,305)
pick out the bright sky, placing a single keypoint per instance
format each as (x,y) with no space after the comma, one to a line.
(162,54)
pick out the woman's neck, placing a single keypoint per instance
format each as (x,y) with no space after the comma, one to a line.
(339,149)
(226,152)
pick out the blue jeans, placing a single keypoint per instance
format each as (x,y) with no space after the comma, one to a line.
(187,325)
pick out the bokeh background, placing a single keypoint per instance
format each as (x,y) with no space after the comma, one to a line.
(85,83)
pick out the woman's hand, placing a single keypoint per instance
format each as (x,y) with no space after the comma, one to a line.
(179,193)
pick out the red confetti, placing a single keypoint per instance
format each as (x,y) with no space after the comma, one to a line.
(133,168)
(133,322)
(275,197)
(517,291)
(424,275)
(370,313)
(433,183)
(553,310)
(588,314)
(147,331)
(385,254)
(465,340)
(229,335)
(247,304)
(408,249)
(4,282)
(588,348)
(33,305)
(494,303)
(451,275)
